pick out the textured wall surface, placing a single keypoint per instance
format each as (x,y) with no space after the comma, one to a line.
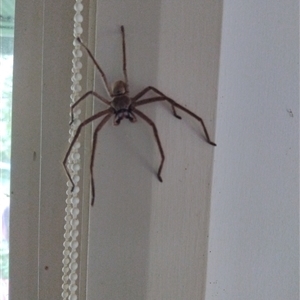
(148,240)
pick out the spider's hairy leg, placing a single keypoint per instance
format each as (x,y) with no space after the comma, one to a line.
(152,124)
(151,88)
(104,80)
(124,56)
(87,121)
(95,136)
(175,104)
(196,117)
(82,98)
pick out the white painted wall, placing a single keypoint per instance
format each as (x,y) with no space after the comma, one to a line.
(148,240)
(254,226)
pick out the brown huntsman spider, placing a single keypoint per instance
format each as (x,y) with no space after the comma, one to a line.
(122,106)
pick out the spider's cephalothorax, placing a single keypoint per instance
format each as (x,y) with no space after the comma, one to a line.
(123,106)
(121,103)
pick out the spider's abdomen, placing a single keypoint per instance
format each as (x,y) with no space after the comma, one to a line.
(121,105)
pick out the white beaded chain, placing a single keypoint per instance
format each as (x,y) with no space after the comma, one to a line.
(70,253)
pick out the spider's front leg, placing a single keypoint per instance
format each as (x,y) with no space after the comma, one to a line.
(87,121)
(104,79)
(82,98)
(173,104)
(151,88)
(95,137)
(152,124)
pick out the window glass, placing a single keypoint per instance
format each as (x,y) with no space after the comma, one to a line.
(6,66)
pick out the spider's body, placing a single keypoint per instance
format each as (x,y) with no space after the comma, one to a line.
(121,103)
(122,109)
(123,106)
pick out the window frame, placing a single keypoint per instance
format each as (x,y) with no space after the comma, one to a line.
(41,98)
